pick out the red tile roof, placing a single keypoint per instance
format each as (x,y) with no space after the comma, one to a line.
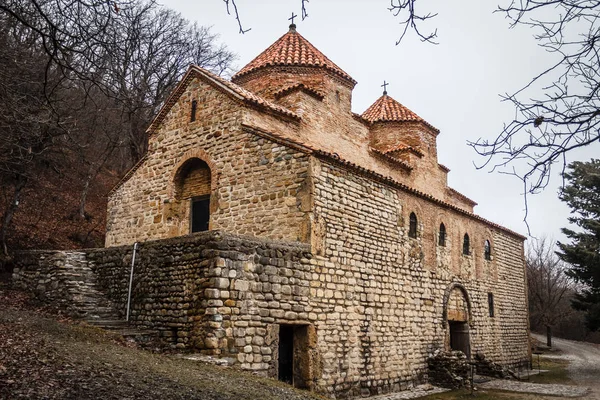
(292,49)
(402,148)
(386,109)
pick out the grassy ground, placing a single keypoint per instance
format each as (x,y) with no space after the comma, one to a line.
(45,358)
(486,395)
(556,373)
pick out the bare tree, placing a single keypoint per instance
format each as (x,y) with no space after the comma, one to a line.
(79,84)
(549,287)
(566,113)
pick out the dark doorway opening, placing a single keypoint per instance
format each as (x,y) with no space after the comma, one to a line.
(296,355)
(200,213)
(459,337)
(286,354)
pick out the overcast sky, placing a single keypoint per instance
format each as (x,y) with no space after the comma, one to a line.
(455,85)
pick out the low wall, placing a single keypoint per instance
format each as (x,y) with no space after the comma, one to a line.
(212,291)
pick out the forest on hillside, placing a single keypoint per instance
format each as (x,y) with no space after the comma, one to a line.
(79,84)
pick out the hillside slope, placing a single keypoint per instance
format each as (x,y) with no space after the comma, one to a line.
(44,358)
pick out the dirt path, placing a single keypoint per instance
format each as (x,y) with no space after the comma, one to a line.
(584,358)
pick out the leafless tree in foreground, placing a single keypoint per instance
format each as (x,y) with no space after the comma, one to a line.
(549,287)
(563,112)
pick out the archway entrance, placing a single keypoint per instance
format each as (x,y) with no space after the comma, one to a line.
(193,191)
(457,313)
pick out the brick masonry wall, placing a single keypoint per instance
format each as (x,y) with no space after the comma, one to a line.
(256,184)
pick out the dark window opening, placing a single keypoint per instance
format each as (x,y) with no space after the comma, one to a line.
(491,303)
(200,213)
(412,228)
(442,237)
(466,245)
(487,250)
(194,107)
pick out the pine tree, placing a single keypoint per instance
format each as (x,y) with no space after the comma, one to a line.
(582,194)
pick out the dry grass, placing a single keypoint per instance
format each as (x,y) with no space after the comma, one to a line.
(44,358)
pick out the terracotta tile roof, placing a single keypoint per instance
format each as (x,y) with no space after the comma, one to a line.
(390,158)
(299,86)
(238,92)
(402,148)
(461,196)
(292,49)
(386,109)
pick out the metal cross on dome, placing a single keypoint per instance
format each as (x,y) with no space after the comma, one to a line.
(292,18)
(384,86)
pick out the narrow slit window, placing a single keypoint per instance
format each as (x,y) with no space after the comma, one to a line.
(193,113)
(491,304)
(466,245)
(412,228)
(487,250)
(442,235)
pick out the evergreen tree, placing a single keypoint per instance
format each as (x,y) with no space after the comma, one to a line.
(582,194)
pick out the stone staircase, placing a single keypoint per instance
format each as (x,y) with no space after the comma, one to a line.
(91,305)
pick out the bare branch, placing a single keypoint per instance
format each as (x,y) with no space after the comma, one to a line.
(411,19)
(236,13)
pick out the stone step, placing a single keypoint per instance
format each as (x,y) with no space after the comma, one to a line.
(108,324)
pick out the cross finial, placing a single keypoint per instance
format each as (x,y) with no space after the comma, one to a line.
(384,86)
(292,18)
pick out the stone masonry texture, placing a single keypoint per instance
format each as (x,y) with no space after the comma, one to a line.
(310,209)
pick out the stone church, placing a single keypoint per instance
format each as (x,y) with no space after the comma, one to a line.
(279,230)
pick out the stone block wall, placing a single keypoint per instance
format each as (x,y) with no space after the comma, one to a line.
(394,295)
(256,185)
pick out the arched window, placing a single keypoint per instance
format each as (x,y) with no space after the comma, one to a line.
(193,185)
(194,107)
(466,245)
(412,228)
(442,235)
(487,250)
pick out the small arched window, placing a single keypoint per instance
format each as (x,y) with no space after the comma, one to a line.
(466,245)
(487,250)
(193,113)
(442,235)
(412,228)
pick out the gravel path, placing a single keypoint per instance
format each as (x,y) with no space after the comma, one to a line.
(584,358)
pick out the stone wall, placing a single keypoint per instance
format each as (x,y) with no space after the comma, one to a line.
(256,185)
(369,310)
(394,295)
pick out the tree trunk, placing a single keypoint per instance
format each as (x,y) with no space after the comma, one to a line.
(10,212)
(83,197)
(548,336)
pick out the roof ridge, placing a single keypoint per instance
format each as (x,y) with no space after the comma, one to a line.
(292,49)
(242,95)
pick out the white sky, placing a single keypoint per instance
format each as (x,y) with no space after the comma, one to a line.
(455,85)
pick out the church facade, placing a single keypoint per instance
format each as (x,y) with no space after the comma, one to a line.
(395,264)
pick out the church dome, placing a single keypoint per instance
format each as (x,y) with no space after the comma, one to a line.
(386,109)
(292,50)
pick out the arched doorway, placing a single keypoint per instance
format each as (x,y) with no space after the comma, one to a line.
(193,191)
(457,315)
